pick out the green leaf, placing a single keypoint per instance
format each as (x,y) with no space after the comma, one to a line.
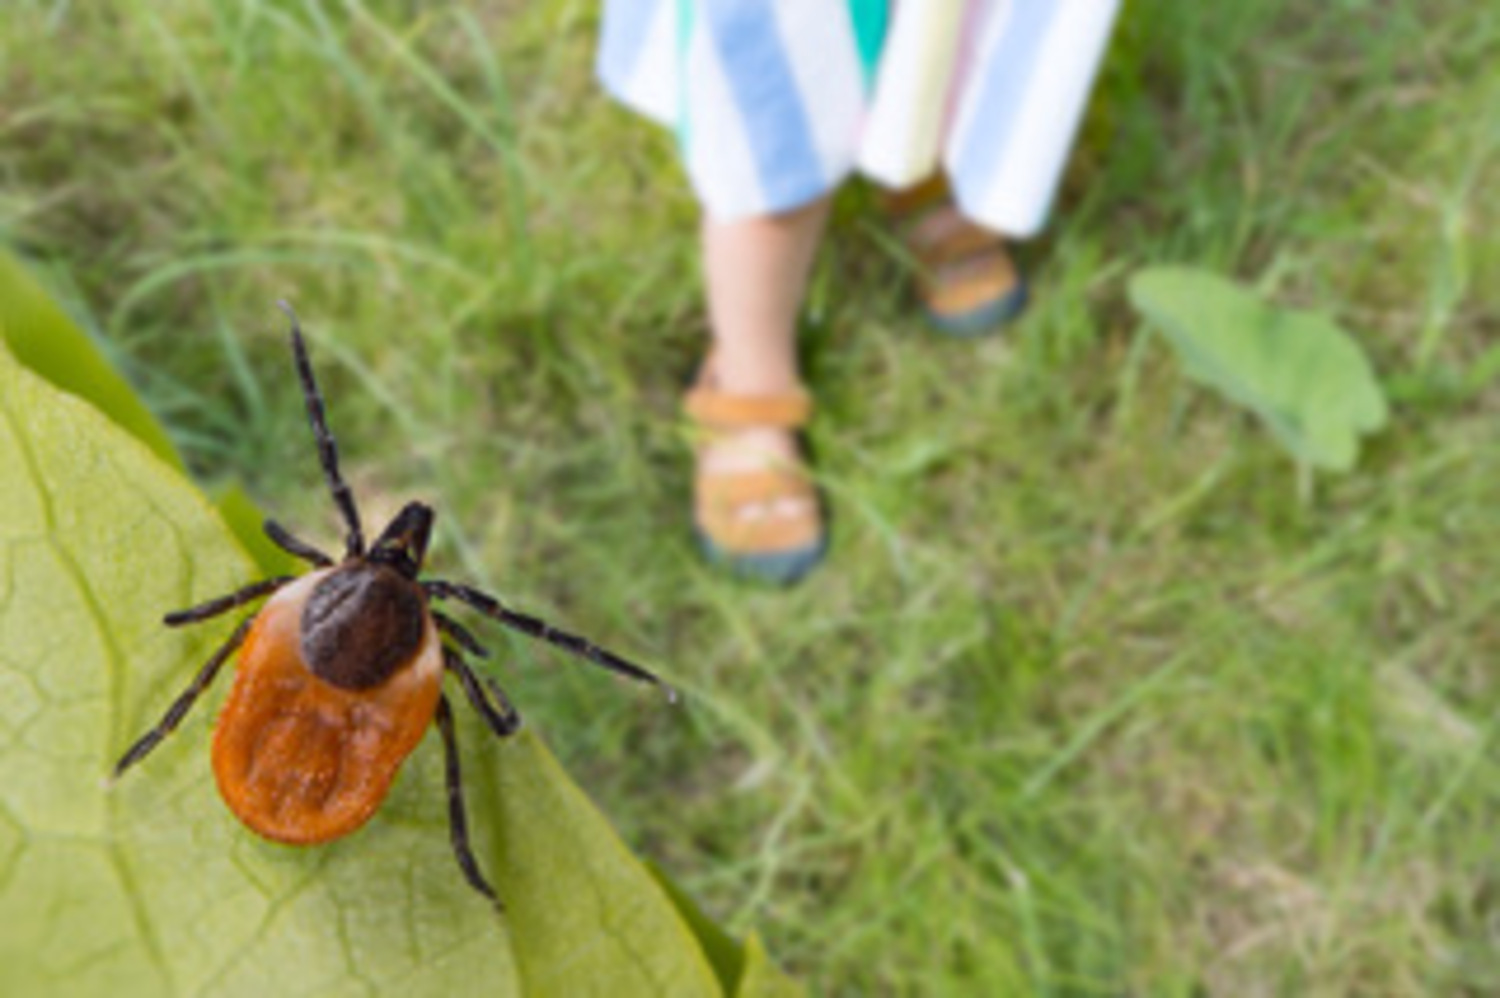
(1303,375)
(762,978)
(723,953)
(746,972)
(42,337)
(152,887)
(586,916)
(743,971)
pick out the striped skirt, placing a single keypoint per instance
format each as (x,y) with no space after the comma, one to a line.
(776,102)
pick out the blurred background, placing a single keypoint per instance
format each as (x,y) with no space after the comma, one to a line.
(1093,696)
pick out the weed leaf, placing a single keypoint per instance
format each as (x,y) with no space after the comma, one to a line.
(723,953)
(1303,375)
(762,978)
(744,971)
(585,915)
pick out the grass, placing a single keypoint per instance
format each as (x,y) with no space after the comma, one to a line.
(1087,700)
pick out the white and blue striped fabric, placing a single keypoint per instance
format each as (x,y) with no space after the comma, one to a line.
(776,102)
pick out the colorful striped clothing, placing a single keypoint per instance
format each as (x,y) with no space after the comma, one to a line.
(776,102)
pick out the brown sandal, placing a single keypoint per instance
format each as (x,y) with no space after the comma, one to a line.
(969,284)
(780,546)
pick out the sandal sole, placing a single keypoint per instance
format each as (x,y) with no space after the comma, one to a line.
(985,319)
(780,568)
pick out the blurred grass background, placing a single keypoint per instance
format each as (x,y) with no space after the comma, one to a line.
(1087,699)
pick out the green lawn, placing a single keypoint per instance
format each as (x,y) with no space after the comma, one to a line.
(1089,698)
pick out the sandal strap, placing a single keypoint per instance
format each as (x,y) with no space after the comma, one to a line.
(743,488)
(961,242)
(716,409)
(722,496)
(911,208)
(971,283)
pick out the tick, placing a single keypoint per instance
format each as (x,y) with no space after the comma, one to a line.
(341,672)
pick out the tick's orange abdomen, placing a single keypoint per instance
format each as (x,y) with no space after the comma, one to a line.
(300,760)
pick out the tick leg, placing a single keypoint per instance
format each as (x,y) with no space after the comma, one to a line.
(328,453)
(501,715)
(184,702)
(214,607)
(283,539)
(458,632)
(458,822)
(543,631)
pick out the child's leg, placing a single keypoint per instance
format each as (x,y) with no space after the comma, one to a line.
(756,272)
(754,506)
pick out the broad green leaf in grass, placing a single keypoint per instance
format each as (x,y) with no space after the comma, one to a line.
(1305,377)
(723,953)
(761,978)
(746,972)
(153,888)
(586,917)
